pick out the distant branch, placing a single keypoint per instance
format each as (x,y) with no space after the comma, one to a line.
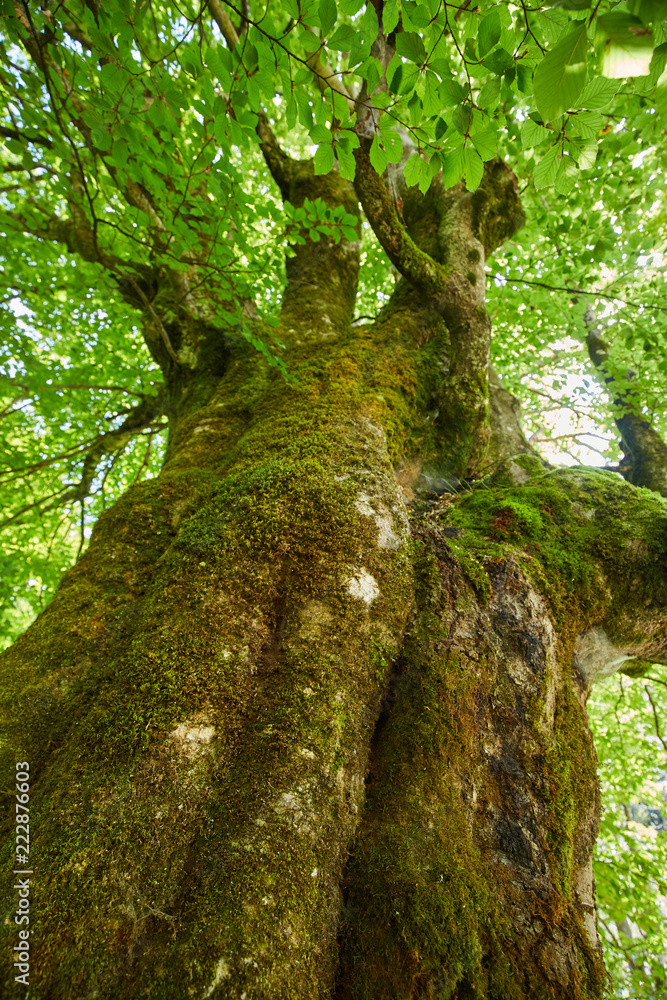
(140,417)
(645,452)
(276,158)
(37,504)
(656,720)
(508,279)
(12,133)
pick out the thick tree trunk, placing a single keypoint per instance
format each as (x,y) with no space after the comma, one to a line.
(290,735)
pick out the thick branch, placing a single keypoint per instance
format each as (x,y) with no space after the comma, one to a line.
(497,211)
(418,267)
(224,23)
(78,239)
(279,163)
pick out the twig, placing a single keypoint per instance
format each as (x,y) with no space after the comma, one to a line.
(656,721)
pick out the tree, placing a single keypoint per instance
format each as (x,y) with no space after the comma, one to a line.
(307,716)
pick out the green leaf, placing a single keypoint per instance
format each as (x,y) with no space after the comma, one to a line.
(113,77)
(585,152)
(649,11)
(430,170)
(349,139)
(120,152)
(390,16)
(474,169)
(369,22)
(488,34)
(341,107)
(499,61)
(413,169)
(486,143)
(321,111)
(533,134)
(561,76)
(346,163)
(461,118)
(489,94)
(410,45)
(328,15)
(628,45)
(566,175)
(432,102)
(350,7)
(598,93)
(309,40)
(546,169)
(378,156)
(343,38)
(320,133)
(101,137)
(371,71)
(415,15)
(588,123)
(404,78)
(453,165)
(392,143)
(305,110)
(324,159)
(524,78)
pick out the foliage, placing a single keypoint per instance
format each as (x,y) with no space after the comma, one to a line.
(629,718)
(130,137)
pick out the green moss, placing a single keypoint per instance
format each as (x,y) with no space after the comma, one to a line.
(560,527)
(427,911)
(193,604)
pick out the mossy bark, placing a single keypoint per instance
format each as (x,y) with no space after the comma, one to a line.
(292,736)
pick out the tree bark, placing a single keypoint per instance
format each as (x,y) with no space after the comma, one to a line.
(296,729)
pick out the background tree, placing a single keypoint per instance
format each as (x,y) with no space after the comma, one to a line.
(307,717)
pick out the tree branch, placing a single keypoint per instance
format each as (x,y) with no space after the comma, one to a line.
(508,279)
(279,163)
(414,264)
(139,417)
(77,239)
(645,451)
(12,133)
(276,158)
(224,23)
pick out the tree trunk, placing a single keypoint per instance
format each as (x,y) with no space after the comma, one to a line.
(296,728)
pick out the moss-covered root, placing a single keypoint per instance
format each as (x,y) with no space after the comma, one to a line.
(471,875)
